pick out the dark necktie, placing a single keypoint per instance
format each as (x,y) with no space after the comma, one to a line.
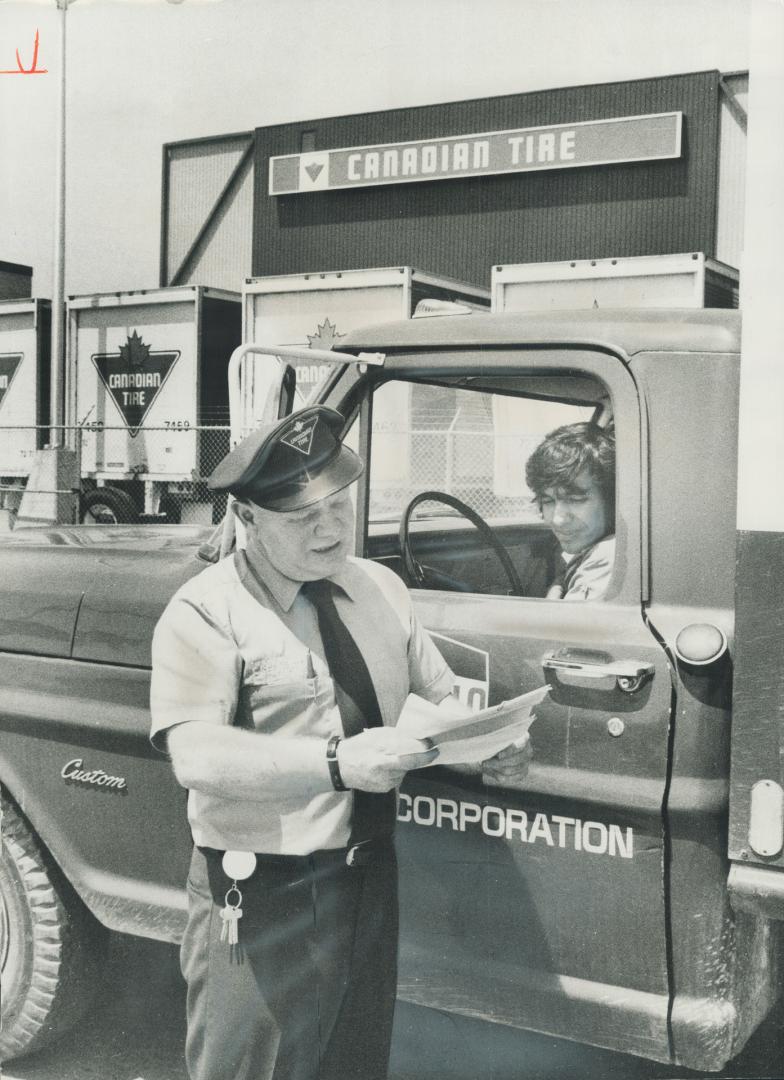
(374,814)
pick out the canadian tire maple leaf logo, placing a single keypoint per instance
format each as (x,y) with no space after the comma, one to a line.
(134,353)
(9,365)
(326,336)
(134,376)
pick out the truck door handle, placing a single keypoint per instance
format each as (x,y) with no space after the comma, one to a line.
(629,675)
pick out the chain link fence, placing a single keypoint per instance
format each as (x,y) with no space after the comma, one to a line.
(483,469)
(118,475)
(159,475)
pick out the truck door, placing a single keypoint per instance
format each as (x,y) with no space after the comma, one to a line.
(542,905)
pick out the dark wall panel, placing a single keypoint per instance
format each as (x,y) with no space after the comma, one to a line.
(462,227)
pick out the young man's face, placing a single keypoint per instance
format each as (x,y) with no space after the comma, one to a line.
(577,513)
(304,545)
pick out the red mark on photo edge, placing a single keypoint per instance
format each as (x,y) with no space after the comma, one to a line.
(20,69)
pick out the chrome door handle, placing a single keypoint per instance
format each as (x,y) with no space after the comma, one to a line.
(629,675)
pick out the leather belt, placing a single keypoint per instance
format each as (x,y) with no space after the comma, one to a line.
(362,854)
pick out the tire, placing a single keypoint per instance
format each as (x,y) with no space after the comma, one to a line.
(171,509)
(108,506)
(50,945)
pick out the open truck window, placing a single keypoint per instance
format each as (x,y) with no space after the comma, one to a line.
(449,506)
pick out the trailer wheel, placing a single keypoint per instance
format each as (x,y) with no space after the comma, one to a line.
(108,506)
(171,509)
(50,945)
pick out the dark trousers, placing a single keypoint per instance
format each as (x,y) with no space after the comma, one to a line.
(308,993)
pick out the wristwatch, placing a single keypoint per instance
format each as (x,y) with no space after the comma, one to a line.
(332,764)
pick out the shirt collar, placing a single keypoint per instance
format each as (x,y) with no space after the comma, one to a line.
(597,546)
(261,572)
(284,590)
(345,578)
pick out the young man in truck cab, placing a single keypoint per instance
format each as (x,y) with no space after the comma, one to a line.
(572,476)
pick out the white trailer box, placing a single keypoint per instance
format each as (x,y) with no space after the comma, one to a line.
(24,384)
(150,394)
(690,280)
(317,310)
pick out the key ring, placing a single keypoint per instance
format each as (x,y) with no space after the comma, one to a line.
(233,889)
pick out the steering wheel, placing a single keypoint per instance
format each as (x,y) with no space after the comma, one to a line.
(418,576)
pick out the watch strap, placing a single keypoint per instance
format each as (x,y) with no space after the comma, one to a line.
(332,764)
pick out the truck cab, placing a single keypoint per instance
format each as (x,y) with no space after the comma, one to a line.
(591,902)
(621,932)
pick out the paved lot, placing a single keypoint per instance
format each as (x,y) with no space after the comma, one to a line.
(136,1032)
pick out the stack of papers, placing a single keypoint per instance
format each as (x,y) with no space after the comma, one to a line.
(468,738)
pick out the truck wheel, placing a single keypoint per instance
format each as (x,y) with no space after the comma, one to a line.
(49,944)
(108,506)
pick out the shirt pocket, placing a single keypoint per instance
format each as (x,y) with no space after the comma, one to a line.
(279,669)
(294,707)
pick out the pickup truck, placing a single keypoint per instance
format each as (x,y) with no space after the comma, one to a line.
(614,898)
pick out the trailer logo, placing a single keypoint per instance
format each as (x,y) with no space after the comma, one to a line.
(134,377)
(9,365)
(325,337)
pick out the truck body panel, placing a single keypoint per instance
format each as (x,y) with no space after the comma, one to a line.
(592,901)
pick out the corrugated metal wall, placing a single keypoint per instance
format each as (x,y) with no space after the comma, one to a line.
(461,227)
(195,177)
(225,259)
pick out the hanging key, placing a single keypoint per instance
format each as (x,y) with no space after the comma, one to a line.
(231,915)
(237,865)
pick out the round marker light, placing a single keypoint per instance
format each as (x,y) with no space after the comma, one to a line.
(700,643)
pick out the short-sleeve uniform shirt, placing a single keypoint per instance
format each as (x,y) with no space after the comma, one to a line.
(241,646)
(588,574)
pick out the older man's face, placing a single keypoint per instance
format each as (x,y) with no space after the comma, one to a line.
(576,513)
(308,544)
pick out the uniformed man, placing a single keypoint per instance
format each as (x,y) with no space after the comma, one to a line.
(278,676)
(572,476)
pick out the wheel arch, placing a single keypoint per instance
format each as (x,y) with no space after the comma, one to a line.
(51,946)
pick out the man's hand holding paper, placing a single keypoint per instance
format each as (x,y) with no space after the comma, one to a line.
(510,765)
(495,739)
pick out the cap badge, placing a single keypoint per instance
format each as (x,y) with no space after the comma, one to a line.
(300,435)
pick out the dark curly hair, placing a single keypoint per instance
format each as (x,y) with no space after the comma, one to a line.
(565,452)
